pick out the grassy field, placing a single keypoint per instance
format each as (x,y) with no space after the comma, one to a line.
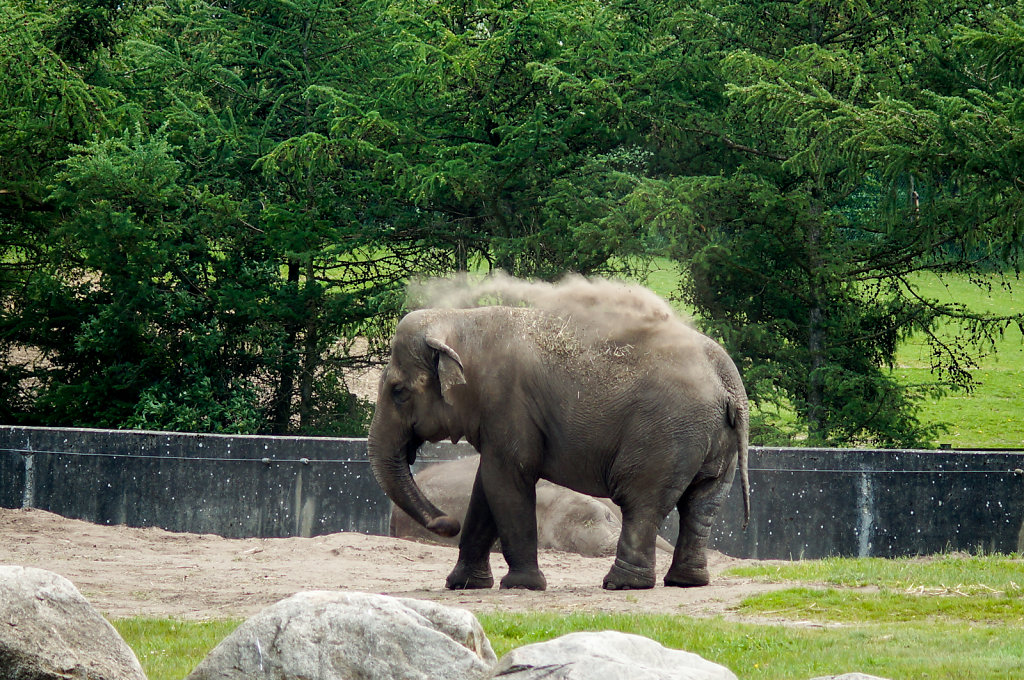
(169,649)
(897,651)
(992,414)
(952,616)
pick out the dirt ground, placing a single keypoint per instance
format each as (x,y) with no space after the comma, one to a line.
(126,571)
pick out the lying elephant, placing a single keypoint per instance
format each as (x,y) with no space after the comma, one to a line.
(598,388)
(566,520)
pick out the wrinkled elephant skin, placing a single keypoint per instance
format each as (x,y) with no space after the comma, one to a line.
(613,398)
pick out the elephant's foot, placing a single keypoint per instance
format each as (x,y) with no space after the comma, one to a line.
(470,578)
(623,576)
(687,576)
(528,580)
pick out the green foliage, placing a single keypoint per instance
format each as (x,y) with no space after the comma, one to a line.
(498,128)
(204,205)
(132,286)
(841,148)
(192,288)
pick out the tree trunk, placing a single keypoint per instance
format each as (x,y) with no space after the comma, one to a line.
(461,256)
(310,354)
(816,382)
(282,408)
(816,417)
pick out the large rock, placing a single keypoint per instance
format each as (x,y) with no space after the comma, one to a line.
(566,520)
(48,631)
(321,635)
(608,655)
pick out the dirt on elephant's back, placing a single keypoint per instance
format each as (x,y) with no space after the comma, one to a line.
(149,572)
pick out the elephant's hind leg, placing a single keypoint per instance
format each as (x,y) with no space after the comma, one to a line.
(697,509)
(634,557)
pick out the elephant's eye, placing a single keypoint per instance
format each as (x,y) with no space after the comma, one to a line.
(399,394)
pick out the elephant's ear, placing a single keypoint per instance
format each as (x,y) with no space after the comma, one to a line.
(449,366)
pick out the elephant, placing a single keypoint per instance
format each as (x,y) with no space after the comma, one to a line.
(605,392)
(566,520)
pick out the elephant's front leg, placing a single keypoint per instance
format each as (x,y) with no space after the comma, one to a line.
(473,570)
(512,497)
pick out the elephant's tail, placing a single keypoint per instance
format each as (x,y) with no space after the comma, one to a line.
(738,419)
(737,414)
(744,479)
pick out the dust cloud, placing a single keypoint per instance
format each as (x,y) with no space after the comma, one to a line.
(616,311)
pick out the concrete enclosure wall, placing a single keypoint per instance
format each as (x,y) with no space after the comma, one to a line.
(811,503)
(806,502)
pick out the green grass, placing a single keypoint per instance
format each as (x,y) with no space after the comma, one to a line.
(169,649)
(950,616)
(837,605)
(933,649)
(986,417)
(941,573)
(979,590)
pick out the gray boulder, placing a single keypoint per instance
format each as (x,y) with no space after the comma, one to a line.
(322,635)
(566,520)
(48,631)
(608,655)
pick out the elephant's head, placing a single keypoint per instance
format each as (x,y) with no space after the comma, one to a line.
(415,404)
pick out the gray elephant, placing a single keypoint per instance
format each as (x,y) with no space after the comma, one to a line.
(566,520)
(600,390)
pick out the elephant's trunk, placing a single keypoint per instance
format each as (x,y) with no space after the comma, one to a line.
(390,465)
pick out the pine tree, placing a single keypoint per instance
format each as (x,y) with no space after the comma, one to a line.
(839,149)
(497,130)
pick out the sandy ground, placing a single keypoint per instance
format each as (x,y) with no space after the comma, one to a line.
(149,572)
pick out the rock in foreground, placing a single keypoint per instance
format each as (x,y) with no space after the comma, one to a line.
(323,635)
(608,655)
(50,632)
